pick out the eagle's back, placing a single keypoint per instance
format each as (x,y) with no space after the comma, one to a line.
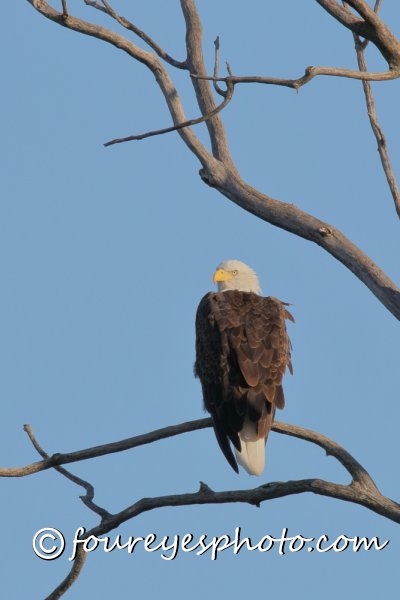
(242,351)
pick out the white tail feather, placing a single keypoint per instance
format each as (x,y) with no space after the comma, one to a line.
(252,455)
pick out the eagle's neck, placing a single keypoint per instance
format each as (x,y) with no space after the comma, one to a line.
(246,285)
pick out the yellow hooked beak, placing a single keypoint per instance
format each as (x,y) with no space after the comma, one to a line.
(222,275)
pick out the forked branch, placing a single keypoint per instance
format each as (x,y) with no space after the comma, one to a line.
(309,74)
(141,136)
(361,490)
(107,8)
(218,168)
(361,481)
(369,27)
(360,46)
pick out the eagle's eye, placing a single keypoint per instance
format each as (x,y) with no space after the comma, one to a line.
(234,272)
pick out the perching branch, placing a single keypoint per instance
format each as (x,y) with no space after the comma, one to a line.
(361,490)
(357,472)
(97,451)
(361,480)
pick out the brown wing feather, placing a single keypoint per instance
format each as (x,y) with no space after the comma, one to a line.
(242,351)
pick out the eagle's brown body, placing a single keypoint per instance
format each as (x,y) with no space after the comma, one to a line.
(242,351)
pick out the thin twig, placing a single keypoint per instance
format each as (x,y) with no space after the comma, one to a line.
(88,498)
(218,169)
(80,556)
(376,128)
(104,449)
(219,90)
(309,74)
(360,46)
(142,136)
(65,8)
(149,59)
(132,27)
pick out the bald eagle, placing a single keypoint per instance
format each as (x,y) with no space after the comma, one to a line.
(242,351)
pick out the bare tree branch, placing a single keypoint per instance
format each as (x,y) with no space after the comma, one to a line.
(377,6)
(378,3)
(356,492)
(132,27)
(142,136)
(345,17)
(388,40)
(205,99)
(359,475)
(219,91)
(88,498)
(222,173)
(370,27)
(353,492)
(219,171)
(373,117)
(72,576)
(309,74)
(96,451)
(151,61)
(362,489)
(332,448)
(290,218)
(366,12)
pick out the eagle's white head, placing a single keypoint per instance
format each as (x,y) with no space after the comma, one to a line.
(234,275)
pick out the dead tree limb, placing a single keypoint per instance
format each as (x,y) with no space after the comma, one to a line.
(218,168)
(361,490)
(360,46)
(361,481)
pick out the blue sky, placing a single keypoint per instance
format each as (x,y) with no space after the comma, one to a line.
(105,254)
